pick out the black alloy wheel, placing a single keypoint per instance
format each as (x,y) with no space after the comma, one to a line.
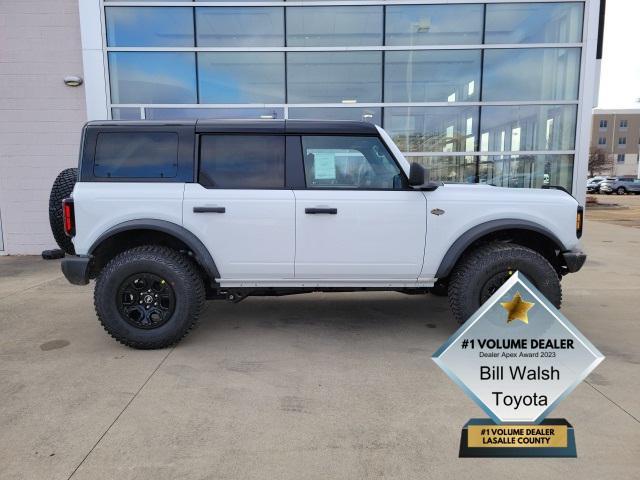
(146,300)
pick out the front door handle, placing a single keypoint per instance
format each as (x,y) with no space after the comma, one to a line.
(316,210)
(209,209)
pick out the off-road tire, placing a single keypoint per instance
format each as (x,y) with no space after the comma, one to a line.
(61,189)
(180,273)
(472,273)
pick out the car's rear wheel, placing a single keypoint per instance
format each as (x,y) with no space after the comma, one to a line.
(621,191)
(481,272)
(149,297)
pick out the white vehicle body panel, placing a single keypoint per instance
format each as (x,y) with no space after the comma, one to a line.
(375,235)
(467,206)
(254,239)
(102,205)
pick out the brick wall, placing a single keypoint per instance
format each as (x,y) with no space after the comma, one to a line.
(40,117)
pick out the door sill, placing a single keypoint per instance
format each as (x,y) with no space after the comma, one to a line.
(326,283)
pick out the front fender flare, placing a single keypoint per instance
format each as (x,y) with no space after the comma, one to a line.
(467,238)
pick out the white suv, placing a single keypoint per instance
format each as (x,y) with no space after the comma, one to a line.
(164,215)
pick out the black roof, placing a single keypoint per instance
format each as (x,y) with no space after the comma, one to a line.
(253,126)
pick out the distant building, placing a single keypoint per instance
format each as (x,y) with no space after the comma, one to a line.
(616,134)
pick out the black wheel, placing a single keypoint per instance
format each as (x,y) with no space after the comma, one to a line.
(621,191)
(61,189)
(149,297)
(481,272)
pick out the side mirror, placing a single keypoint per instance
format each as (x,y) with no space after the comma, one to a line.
(416,175)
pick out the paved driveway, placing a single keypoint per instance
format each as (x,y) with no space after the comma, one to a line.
(310,386)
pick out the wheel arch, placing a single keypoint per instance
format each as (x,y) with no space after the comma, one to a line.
(133,233)
(522,232)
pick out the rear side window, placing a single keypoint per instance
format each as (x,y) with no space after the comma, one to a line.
(242,161)
(136,155)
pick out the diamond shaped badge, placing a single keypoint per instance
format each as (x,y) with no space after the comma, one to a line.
(517,356)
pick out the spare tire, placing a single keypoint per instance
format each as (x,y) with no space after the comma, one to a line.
(61,189)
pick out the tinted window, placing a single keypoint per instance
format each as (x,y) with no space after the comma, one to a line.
(136,155)
(434,24)
(240,26)
(242,161)
(432,76)
(533,22)
(334,77)
(241,77)
(349,163)
(149,27)
(152,77)
(531,74)
(334,26)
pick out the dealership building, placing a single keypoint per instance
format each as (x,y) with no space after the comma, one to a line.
(498,92)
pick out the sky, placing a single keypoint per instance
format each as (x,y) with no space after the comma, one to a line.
(620,73)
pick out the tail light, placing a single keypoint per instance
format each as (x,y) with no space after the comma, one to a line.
(579,221)
(68,217)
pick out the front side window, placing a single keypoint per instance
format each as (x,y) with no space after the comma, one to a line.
(136,155)
(350,163)
(242,161)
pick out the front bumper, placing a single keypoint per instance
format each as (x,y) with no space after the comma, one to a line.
(574,260)
(76,269)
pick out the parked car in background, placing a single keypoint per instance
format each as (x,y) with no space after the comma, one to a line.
(620,185)
(593,184)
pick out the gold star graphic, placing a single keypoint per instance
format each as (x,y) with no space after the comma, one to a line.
(517,308)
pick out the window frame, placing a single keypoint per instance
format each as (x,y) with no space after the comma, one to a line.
(403,176)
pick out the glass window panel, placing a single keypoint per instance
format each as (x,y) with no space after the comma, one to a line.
(371,115)
(241,77)
(334,26)
(434,25)
(152,77)
(527,171)
(340,162)
(333,77)
(432,129)
(136,155)
(534,22)
(149,26)
(531,74)
(450,169)
(240,26)
(538,127)
(242,161)
(224,113)
(431,75)
(125,113)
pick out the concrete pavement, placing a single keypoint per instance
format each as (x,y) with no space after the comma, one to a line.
(310,386)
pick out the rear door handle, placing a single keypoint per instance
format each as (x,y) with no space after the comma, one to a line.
(209,209)
(316,210)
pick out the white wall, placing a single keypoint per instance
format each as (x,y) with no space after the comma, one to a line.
(40,117)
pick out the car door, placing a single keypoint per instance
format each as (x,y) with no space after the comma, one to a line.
(240,208)
(356,220)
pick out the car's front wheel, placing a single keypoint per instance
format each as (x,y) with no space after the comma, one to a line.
(621,191)
(149,297)
(481,272)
